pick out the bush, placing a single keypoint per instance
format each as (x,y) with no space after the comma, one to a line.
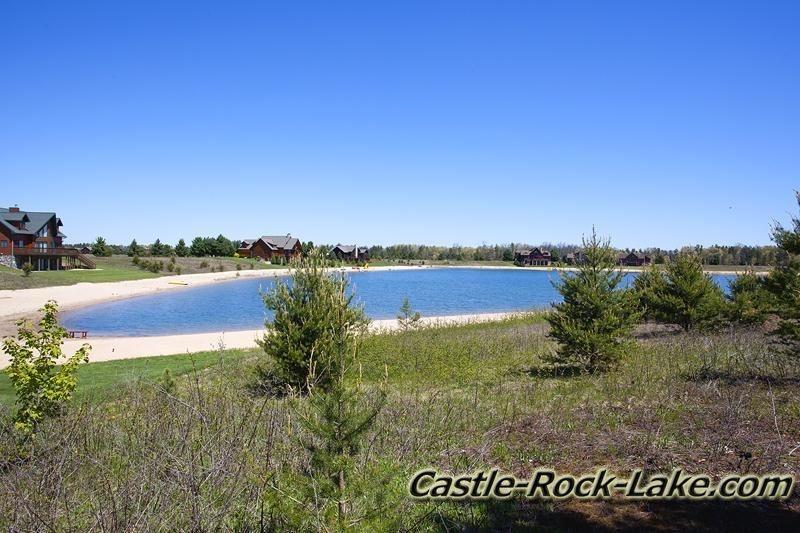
(313,321)
(749,301)
(681,293)
(27,268)
(203,264)
(42,384)
(783,284)
(593,324)
(238,266)
(178,270)
(135,260)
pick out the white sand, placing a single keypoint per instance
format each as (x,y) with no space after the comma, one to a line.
(111,348)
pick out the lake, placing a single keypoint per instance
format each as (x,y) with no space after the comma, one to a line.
(236,305)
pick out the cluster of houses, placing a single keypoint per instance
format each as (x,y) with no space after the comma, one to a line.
(540,257)
(285,247)
(35,238)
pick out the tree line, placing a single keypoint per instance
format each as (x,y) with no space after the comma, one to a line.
(221,246)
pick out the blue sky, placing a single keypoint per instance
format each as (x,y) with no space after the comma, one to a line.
(662,123)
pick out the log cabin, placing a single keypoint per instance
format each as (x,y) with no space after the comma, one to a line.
(271,248)
(35,238)
(350,252)
(534,257)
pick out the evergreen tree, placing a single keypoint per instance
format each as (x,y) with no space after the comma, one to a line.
(681,293)
(593,324)
(408,319)
(313,323)
(100,248)
(157,249)
(783,284)
(134,248)
(181,249)
(198,247)
(749,302)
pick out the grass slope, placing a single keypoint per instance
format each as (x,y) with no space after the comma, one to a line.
(208,455)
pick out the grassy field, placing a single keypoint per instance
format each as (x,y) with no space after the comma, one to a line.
(207,454)
(121,268)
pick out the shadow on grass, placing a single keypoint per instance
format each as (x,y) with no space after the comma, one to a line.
(574,515)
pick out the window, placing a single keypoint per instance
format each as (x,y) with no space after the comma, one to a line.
(3,244)
(20,243)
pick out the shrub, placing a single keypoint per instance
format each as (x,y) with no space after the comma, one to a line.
(313,322)
(238,266)
(178,270)
(749,301)
(593,324)
(783,284)
(27,268)
(171,266)
(203,264)
(681,293)
(135,260)
(42,384)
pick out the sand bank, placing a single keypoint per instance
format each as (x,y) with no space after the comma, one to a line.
(112,348)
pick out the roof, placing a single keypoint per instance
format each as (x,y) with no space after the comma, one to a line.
(280,241)
(347,248)
(34,219)
(285,242)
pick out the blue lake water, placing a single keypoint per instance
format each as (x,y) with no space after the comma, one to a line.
(236,305)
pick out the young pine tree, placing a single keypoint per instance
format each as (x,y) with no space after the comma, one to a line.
(42,383)
(593,324)
(783,284)
(681,293)
(313,322)
(408,319)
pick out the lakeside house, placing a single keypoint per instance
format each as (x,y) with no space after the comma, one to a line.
(534,257)
(577,257)
(271,247)
(634,259)
(350,252)
(34,237)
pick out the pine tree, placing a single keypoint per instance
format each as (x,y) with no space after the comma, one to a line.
(783,284)
(313,322)
(681,293)
(593,324)
(100,248)
(134,249)
(181,250)
(157,249)
(408,319)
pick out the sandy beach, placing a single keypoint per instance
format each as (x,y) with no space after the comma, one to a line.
(111,348)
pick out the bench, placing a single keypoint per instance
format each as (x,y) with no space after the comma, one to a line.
(78,334)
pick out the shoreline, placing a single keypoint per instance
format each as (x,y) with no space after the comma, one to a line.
(19,302)
(116,348)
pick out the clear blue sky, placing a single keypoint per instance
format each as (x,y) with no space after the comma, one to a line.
(662,123)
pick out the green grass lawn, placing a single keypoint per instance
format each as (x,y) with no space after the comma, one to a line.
(121,268)
(100,381)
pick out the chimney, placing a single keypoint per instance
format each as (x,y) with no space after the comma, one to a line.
(14,209)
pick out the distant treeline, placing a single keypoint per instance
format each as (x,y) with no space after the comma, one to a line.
(712,255)
(222,246)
